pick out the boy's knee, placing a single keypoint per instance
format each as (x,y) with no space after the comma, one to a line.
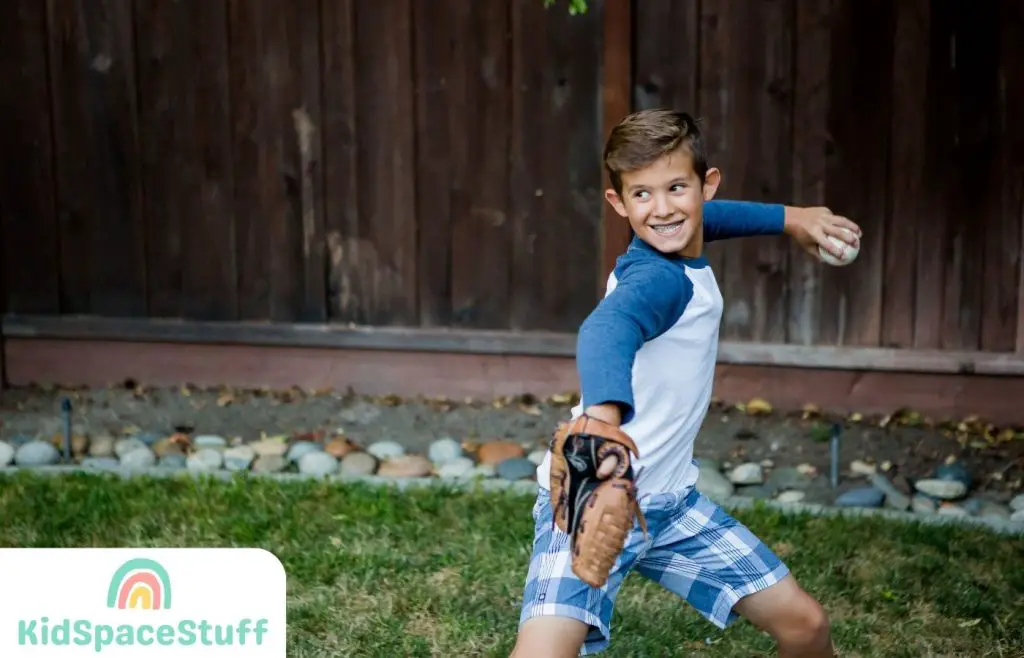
(807,625)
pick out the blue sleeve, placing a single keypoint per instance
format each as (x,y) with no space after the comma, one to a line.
(740,219)
(648,299)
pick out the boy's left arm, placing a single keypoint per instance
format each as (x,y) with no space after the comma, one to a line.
(809,226)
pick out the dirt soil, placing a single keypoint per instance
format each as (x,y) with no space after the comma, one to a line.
(730,435)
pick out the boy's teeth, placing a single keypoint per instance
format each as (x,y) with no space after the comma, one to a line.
(666,228)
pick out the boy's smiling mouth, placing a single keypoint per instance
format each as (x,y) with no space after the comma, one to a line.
(668,230)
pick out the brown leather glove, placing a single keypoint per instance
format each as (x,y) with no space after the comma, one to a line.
(597,513)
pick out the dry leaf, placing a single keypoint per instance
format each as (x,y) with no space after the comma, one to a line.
(532,410)
(758,407)
(855,417)
(225,399)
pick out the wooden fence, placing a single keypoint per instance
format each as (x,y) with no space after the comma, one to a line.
(436,164)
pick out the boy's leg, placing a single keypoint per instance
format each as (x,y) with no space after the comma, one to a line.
(562,615)
(723,570)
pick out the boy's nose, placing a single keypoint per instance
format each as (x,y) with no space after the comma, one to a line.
(662,207)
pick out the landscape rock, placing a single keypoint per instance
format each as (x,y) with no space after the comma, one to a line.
(6,454)
(954,471)
(537,456)
(406,466)
(384,450)
(166,446)
(894,498)
(1018,516)
(269,464)
(860,467)
(952,509)
(791,496)
(357,464)
(79,443)
(992,510)
(444,451)
(36,453)
(495,452)
(517,468)
(130,444)
(749,473)
(456,469)
(942,489)
(267,447)
(923,504)
(317,463)
(239,458)
(484,471)
(173,461)
(210,441)
(712,483)
(861,497)
(104,463)
(300,449)
(787,478)
(101,446)
(205,460)
(1017,503)
(141,458)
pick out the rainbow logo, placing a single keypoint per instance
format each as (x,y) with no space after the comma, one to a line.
(140,584)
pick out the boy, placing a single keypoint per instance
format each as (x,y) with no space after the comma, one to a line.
(646,358)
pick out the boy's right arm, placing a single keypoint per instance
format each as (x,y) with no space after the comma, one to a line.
(647,300)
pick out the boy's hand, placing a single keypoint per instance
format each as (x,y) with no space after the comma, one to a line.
(612,415)
(811,228)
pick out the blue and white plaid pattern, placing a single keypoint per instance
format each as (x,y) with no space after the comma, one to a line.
(694,548)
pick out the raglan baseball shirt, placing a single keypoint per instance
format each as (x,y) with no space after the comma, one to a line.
(652,342)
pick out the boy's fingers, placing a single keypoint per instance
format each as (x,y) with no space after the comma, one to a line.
(837,231)
(607,467)
(843,222)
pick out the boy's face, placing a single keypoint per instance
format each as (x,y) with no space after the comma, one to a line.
(664,203)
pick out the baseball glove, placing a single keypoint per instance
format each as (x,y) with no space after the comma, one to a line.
(597,513)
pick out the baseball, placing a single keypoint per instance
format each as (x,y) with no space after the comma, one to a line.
(849,251)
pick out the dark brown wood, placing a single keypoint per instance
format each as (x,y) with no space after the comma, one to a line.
(28,222)
(347,278)
(479,117)
(908,212)
(1012,67)
(616,103)
(96,138)
(811,144)
(385,147)
(555,167)
(186,159)
(857,166)
(745,100)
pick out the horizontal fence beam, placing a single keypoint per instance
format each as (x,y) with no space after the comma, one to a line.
(473,341)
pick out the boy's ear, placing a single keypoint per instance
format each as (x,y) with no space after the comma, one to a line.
(711,182)
(615,200)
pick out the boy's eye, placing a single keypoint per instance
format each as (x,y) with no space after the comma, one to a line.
(642,194)
(678,187)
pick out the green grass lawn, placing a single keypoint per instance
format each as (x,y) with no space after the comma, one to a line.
(375,572)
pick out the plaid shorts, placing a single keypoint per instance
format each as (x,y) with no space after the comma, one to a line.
(694,549)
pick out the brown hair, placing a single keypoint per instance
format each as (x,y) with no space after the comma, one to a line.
(643,137)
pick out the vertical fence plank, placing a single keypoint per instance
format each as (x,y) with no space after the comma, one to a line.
(858,119)
(386,151)
(617,61)
(480,118)
(439,28)
(186,159)
(908,209)
(348,279)
(745,97)
(1011,20)
(810,146)
(28,224)
(998,275)
(97,155)
(556,175)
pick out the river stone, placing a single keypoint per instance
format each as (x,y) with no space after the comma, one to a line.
(205,460)
(174,462)
(955,472)
(211,441)
(338,447)
(894,498)
(495,452)
(942,489)
(456,469)
(141,458)
(444,451)
(1017,503)
(129,444)
(265,447)
(787,478)
(992,510)
(384,450)
(318,463)
(793,496)
(269,464)
(406,466)
(923,504)
(952,509)
(300,449)
(101,446)
(358,464)
(537,456)
(517,468)
(36,453)
(239,458)
(749,473)
(712,483)
(1018,516)
(6,454)
(861,497)
(484,471)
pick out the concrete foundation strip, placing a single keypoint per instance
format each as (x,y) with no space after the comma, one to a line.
(526,487)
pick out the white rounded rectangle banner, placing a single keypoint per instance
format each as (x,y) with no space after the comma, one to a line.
(142,602)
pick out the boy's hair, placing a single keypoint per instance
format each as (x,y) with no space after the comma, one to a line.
(643,137)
